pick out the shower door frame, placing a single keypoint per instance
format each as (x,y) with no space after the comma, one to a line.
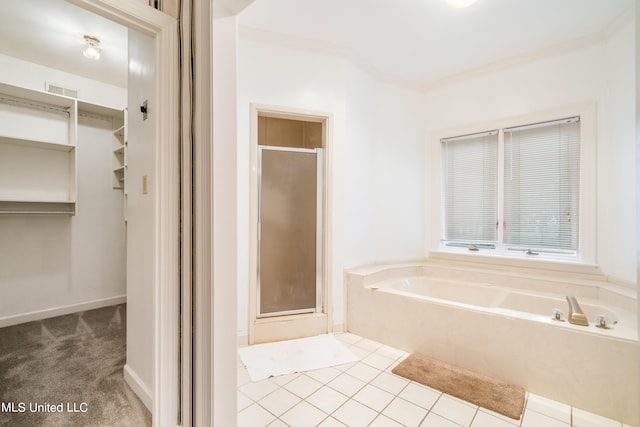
(295,325)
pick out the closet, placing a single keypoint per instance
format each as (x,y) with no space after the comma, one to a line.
(63,165)
(120,137)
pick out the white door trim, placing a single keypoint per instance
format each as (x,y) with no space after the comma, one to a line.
(164,29)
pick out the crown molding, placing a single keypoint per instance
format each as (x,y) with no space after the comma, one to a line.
(351,55)
(536,55)
(226,8)
(515,61)
(618,23)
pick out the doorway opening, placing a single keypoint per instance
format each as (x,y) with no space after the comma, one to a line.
(158,386)
(290,290)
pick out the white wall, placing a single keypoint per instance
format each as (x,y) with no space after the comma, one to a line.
(98,231)
(141,221)
(35,76)
(617,197)
(225,218)
(382,176)
(52,265)
(602,73)
(377,163)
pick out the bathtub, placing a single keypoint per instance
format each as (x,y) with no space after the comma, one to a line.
(502,324)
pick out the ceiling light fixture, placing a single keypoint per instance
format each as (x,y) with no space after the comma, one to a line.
(459,4)
(91,47)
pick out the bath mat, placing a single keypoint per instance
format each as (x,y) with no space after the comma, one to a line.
(478,389)
(299,355)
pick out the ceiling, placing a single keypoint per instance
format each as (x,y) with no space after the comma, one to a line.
(418,42)
(423,42)
(50,32)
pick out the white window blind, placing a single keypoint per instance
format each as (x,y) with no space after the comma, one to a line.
(470,174)
(541,185)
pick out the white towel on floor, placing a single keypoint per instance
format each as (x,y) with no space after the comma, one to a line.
(299,355)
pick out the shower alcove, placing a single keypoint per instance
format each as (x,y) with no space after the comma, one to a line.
(289,291)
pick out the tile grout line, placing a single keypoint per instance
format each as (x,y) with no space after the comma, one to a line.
(370,352)
(571,417)
(475,414)
(386,370)
(373,385)
(397,395)
(524,408)
(328,415)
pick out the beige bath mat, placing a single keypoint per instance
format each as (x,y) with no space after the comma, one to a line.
(478,389)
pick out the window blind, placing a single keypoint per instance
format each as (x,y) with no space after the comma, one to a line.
(470,175)
(541,185)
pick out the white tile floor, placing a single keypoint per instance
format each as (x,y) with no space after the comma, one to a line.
(366,393)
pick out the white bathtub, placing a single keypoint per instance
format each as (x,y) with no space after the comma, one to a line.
(534,306)
(505,331)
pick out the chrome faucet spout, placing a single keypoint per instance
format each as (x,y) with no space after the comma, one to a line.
(576,315)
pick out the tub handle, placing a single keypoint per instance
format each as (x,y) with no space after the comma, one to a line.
(603,322)
(558,315)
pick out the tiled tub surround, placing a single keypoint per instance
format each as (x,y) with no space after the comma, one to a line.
(465,320)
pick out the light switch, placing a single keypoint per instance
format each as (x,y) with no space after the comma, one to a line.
(145,184)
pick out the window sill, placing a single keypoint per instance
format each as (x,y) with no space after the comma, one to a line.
(521,261)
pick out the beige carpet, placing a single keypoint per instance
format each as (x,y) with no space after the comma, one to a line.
(478,389)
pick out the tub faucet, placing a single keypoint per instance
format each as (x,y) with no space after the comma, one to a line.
(576,316)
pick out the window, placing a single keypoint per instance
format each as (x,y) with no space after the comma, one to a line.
(471,189)
(541,186)
(513,190)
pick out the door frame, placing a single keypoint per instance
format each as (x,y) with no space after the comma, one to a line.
(166,248)
(318,322)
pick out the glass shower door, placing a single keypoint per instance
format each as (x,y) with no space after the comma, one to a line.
(289,231)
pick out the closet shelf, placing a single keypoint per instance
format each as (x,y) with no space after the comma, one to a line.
(38,156)
(36,96)
(119,133)
(37,144)
(120,151)
(38,200)
(37,207)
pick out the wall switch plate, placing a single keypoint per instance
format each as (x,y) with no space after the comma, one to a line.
(144,110)
(145,184)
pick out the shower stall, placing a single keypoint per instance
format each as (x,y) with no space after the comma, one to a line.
(288,291)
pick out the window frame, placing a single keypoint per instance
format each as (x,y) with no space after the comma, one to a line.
(587,234)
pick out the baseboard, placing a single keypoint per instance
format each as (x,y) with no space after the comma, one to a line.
(290,327)
(243,339)
(139,388)
(60,311)
(338,328)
